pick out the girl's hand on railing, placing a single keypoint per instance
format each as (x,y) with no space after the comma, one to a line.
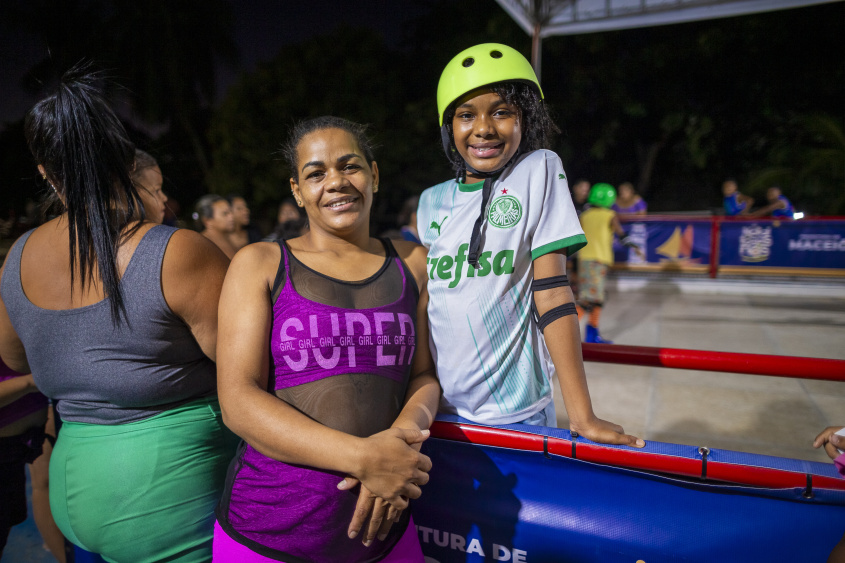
(605,432)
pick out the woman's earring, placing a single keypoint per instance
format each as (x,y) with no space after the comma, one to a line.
(299,202)
(44,177)
(375,188)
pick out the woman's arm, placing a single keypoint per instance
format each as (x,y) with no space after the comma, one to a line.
(423,396)
(11,347)
(13,389)
(191,279)
(421,402)
(564,343)
(384,462)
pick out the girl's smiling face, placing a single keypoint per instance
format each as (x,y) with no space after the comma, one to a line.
(487,131)
(335,181)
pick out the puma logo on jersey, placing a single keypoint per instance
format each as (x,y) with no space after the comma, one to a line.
(452,268)
(561,177)
(434,224)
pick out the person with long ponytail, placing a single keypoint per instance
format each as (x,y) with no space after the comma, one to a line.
(116,317)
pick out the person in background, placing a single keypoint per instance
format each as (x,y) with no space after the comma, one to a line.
(779,207)
(600,223)
(213,216)
(148,181)
(832,439)
(580,193)
(23,440)
(289,222)
(244,233)
(735,203)
(628,201)
(116,319)
(407,219)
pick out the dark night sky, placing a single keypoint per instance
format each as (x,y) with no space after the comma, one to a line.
(260,28)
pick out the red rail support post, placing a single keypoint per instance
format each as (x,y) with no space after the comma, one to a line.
(714,246)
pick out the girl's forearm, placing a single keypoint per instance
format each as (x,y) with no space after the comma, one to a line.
(564,344)
(421,403)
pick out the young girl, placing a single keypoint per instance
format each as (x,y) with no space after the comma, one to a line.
(501,316)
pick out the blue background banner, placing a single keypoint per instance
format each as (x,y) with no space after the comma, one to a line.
(790,244)
(496,504)
(677,242)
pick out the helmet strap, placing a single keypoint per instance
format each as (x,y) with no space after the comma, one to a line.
(486,190)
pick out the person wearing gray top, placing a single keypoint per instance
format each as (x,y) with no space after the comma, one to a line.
(116,317)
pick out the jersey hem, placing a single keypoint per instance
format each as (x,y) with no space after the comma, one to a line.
(510,418)
(572,245)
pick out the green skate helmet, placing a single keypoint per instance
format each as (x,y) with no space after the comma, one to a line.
(602,195)
(479,66)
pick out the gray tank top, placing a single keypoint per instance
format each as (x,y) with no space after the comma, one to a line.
(107,374)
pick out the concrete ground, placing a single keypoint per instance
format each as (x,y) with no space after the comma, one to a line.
(765,415)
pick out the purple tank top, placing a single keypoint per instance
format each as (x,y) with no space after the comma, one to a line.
(312,341)
(294,513)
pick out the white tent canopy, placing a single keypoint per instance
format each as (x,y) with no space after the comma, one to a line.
(544,18)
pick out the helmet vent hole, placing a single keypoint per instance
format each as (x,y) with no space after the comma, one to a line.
(468,62)
(496,54)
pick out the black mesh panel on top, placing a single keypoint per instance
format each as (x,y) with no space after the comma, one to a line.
(360,404)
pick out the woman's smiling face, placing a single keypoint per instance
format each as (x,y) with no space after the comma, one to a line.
(486,130)
(335,181)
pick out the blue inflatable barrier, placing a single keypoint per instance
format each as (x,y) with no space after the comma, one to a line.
(492,503)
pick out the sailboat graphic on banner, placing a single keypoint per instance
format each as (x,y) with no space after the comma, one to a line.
(678,247)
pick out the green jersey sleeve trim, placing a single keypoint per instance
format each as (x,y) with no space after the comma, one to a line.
(572,245)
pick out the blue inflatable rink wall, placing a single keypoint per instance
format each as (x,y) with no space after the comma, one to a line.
(516,493)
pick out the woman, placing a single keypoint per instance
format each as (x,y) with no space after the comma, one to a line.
(244,233)
(213,216)
(628,202)
(352,384)
(147,177)
(116,318)
(23,415)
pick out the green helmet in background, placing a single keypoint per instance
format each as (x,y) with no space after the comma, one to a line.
(602,195)
(479,66)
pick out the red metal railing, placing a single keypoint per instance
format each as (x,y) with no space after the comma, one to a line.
(634,459)
(696,467)
(755,364)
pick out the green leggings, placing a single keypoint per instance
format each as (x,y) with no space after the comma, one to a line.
(146,490)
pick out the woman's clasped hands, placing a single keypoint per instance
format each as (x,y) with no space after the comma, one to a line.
(390,471)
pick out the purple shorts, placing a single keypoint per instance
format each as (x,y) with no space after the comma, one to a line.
(227,550)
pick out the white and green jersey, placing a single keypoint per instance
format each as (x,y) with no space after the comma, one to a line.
(491,359)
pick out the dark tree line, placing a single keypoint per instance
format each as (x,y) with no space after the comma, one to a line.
(675,109)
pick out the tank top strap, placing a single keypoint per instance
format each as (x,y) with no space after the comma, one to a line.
(141,282)
(281,272)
